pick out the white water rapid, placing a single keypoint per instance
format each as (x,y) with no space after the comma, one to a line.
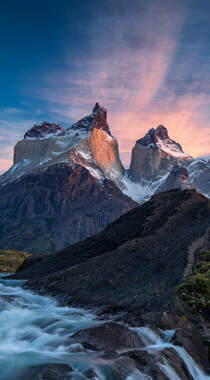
(35,330)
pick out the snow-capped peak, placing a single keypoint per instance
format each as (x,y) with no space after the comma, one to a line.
(158,138)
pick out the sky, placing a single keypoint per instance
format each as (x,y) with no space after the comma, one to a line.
(146,61)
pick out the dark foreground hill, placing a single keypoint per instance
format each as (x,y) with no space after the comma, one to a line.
(146,268)
(135,264)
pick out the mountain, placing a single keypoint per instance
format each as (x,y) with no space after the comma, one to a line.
(153,158)
(68,184)
(155,154)
(140,269)
(63,185)
(88,143)
(155,163)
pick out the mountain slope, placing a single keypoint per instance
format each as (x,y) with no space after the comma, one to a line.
(143,269)
(143,256)
(43,212)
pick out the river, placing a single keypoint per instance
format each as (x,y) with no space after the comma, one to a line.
(35,330)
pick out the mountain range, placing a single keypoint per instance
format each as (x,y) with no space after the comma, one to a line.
(68,184)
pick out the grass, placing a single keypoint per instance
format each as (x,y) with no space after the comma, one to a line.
(195,291)
(11,260)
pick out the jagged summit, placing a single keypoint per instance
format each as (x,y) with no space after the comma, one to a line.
(88,143)
(159,138)
(43,130)
(155,154)
(96,108)
(97,119)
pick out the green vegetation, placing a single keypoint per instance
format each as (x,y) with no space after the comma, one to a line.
(10,260)
(196,290)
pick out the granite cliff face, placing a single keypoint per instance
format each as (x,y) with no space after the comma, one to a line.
(88,142)
(154,155)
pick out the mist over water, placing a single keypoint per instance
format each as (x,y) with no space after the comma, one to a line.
(35,330)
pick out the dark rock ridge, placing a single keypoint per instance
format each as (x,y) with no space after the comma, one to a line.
(43,130)
(177,179)
(50,209)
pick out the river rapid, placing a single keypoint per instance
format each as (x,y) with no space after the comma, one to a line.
(35,330)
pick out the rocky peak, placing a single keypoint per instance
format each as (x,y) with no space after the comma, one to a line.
(43,130)
(96,108)
(155,135)
(100,119)
(178,178)
(148,139)
(88,143)
(161,132)
(97,119)
(155,154)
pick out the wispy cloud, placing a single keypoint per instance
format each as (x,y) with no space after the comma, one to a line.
(138,79)
(140,63)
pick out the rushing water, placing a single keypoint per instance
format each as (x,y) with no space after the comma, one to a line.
(34,330)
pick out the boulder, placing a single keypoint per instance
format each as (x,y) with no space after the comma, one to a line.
(109,336)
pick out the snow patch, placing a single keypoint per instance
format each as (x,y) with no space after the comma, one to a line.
(172,149)
(142,191)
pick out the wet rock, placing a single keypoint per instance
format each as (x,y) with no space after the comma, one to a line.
(123,367)
(77,376)
(166,364)
(192,339)
(48,372)
(91,374)
(14,300)
(110,337)
(141,358)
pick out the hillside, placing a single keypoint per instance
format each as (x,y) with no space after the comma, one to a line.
(144,255)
